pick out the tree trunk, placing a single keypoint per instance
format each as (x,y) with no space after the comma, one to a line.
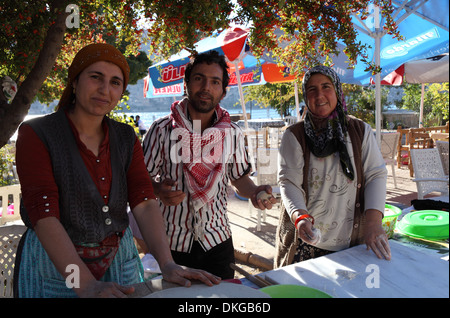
(11,115)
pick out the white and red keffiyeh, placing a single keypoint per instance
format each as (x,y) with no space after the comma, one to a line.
(203,153)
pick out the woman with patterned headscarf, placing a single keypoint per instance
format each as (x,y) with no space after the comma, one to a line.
(78,171)
(332,177)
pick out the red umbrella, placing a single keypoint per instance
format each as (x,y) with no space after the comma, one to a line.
(232,43)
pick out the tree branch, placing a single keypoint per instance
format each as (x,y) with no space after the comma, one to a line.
(14,113)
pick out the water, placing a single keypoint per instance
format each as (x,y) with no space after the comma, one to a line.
(149,117)
(259,113)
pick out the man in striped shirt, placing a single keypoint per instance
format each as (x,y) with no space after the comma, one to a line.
(192,155)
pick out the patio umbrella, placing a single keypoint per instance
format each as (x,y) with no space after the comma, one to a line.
(166,78)
(424,24)
(430,70)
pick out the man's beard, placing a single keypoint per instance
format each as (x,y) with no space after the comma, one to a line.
(202,106)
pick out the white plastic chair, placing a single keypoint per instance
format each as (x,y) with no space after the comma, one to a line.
(429,172)
(267,173)
(389,151)
(255,139)
(442,146)
(9,241)
(6,192)
(290,120)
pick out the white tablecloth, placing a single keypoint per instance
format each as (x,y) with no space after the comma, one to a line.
(357,272)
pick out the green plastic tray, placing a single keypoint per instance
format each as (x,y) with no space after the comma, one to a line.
(426,224)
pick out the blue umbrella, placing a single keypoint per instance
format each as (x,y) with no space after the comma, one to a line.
(424,25)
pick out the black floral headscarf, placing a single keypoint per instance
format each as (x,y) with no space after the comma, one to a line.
(323,143)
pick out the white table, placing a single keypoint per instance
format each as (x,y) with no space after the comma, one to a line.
(357,272)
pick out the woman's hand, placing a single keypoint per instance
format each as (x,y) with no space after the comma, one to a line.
(375,236)
(182,275)
(305,231)
(99,289)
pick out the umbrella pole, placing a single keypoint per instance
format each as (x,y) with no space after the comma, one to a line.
(297,106)
(421,106)
(378,108)
(378,36)
(241,96)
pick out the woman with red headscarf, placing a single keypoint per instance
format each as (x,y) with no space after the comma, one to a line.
(79,170)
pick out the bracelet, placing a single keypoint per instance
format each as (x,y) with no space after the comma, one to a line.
(304,216)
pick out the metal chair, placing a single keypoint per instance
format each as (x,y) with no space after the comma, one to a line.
(9,240)
(429,172)
(389,150)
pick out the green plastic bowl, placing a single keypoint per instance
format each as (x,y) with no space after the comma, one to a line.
(426,224)
(391,214)
(293,291)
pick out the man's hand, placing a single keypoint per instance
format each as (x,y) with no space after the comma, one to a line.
(262,198)
(167,192)
(182,275)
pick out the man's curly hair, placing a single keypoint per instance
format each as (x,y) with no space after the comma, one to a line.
(209,58)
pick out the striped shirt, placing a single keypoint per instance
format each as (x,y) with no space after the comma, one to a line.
(163,161)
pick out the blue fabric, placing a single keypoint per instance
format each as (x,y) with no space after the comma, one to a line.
(38,277)
(424,27)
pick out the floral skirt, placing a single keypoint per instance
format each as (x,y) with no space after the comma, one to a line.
(37,277)
(305,251)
